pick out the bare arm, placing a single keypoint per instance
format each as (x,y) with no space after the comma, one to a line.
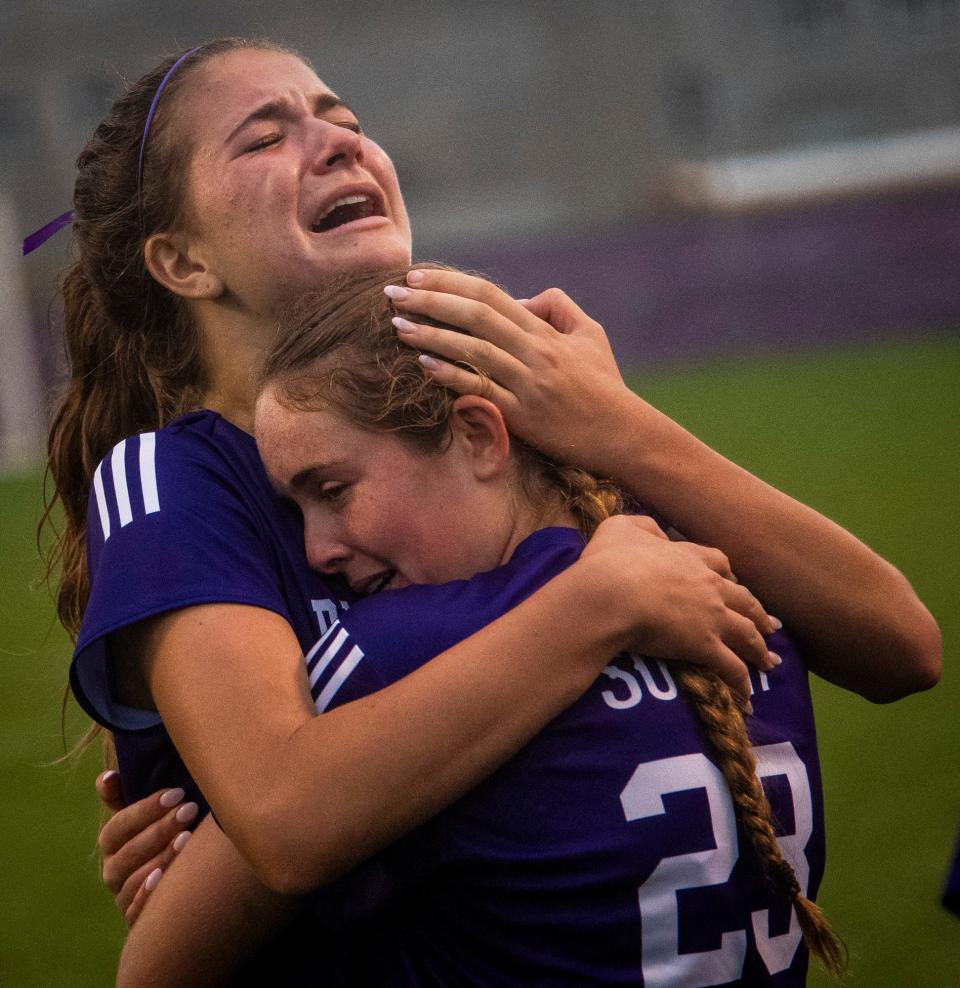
(367,772)
(859,620)
(204,921)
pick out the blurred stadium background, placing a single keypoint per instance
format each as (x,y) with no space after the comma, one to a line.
(760,199)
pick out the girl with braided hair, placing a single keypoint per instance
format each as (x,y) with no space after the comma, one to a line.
(535,876)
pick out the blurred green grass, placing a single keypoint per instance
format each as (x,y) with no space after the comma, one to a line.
(871,437)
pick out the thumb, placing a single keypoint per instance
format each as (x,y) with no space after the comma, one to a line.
(558,309)
(108,789)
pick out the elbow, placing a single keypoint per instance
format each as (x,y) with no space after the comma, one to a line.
(918,650)
(286,876)
(925,654)
(285,871)
(294,852)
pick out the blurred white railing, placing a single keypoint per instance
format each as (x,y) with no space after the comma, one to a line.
(796,174)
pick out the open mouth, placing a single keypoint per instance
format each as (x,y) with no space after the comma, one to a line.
(374,583)
(347,209)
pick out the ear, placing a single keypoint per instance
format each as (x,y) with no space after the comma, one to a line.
(172,261)
(480,432)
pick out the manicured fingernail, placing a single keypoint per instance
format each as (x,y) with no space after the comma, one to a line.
(187,812)
(181,842)
(427,362)
(171,797)
(415,277)
(523,301)
(106,776)
(776,622)
(775,659)
(397,292)
(153,879)
(403,325)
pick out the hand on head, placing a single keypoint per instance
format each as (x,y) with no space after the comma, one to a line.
(543,361)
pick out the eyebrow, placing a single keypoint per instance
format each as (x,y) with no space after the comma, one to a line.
(282,109)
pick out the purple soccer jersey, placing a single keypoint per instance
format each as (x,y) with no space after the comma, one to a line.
(179,517)
(607,851)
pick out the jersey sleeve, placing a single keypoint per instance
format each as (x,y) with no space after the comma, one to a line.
(171,524)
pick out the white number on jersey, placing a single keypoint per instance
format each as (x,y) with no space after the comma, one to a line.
(663,964)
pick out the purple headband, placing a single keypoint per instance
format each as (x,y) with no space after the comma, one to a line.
(42,235)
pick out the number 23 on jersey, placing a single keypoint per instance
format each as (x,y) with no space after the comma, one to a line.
(663,963)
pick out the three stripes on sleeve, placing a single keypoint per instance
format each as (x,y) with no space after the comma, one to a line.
(147,475)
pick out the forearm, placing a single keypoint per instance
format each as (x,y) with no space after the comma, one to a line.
(859,620)
(396,758)
(205,919)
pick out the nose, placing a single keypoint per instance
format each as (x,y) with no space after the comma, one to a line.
(335,146)
(325,553)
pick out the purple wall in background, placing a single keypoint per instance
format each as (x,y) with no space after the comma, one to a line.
(720,285)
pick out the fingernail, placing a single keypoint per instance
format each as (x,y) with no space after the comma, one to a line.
(397,292)
(153,879)
(171,797)
(774,658)
(427,362)
(403,325)
(107,775)
(776,622)
(414,277)
(523,301)
(181,842)
(187,812)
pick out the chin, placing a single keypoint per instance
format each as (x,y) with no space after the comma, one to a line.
(373,254)
(361,256)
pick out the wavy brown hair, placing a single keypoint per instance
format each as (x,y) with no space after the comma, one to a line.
(337,349)
(133,355)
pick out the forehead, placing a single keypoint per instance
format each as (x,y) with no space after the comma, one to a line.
(229,86)
(290,433)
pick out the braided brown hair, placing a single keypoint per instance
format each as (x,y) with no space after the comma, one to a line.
(338,349)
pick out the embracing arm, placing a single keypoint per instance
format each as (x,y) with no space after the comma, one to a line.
(204,921)
(861,624)
(859,620)
(305,798)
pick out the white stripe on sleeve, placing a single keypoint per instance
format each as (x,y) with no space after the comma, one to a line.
(101,501)
(308,658)
(337,679)
(119,467)
(148,472)
(328,656)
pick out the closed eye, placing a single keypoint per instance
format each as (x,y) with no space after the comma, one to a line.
(264,142)
(333,491)
(353,125)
